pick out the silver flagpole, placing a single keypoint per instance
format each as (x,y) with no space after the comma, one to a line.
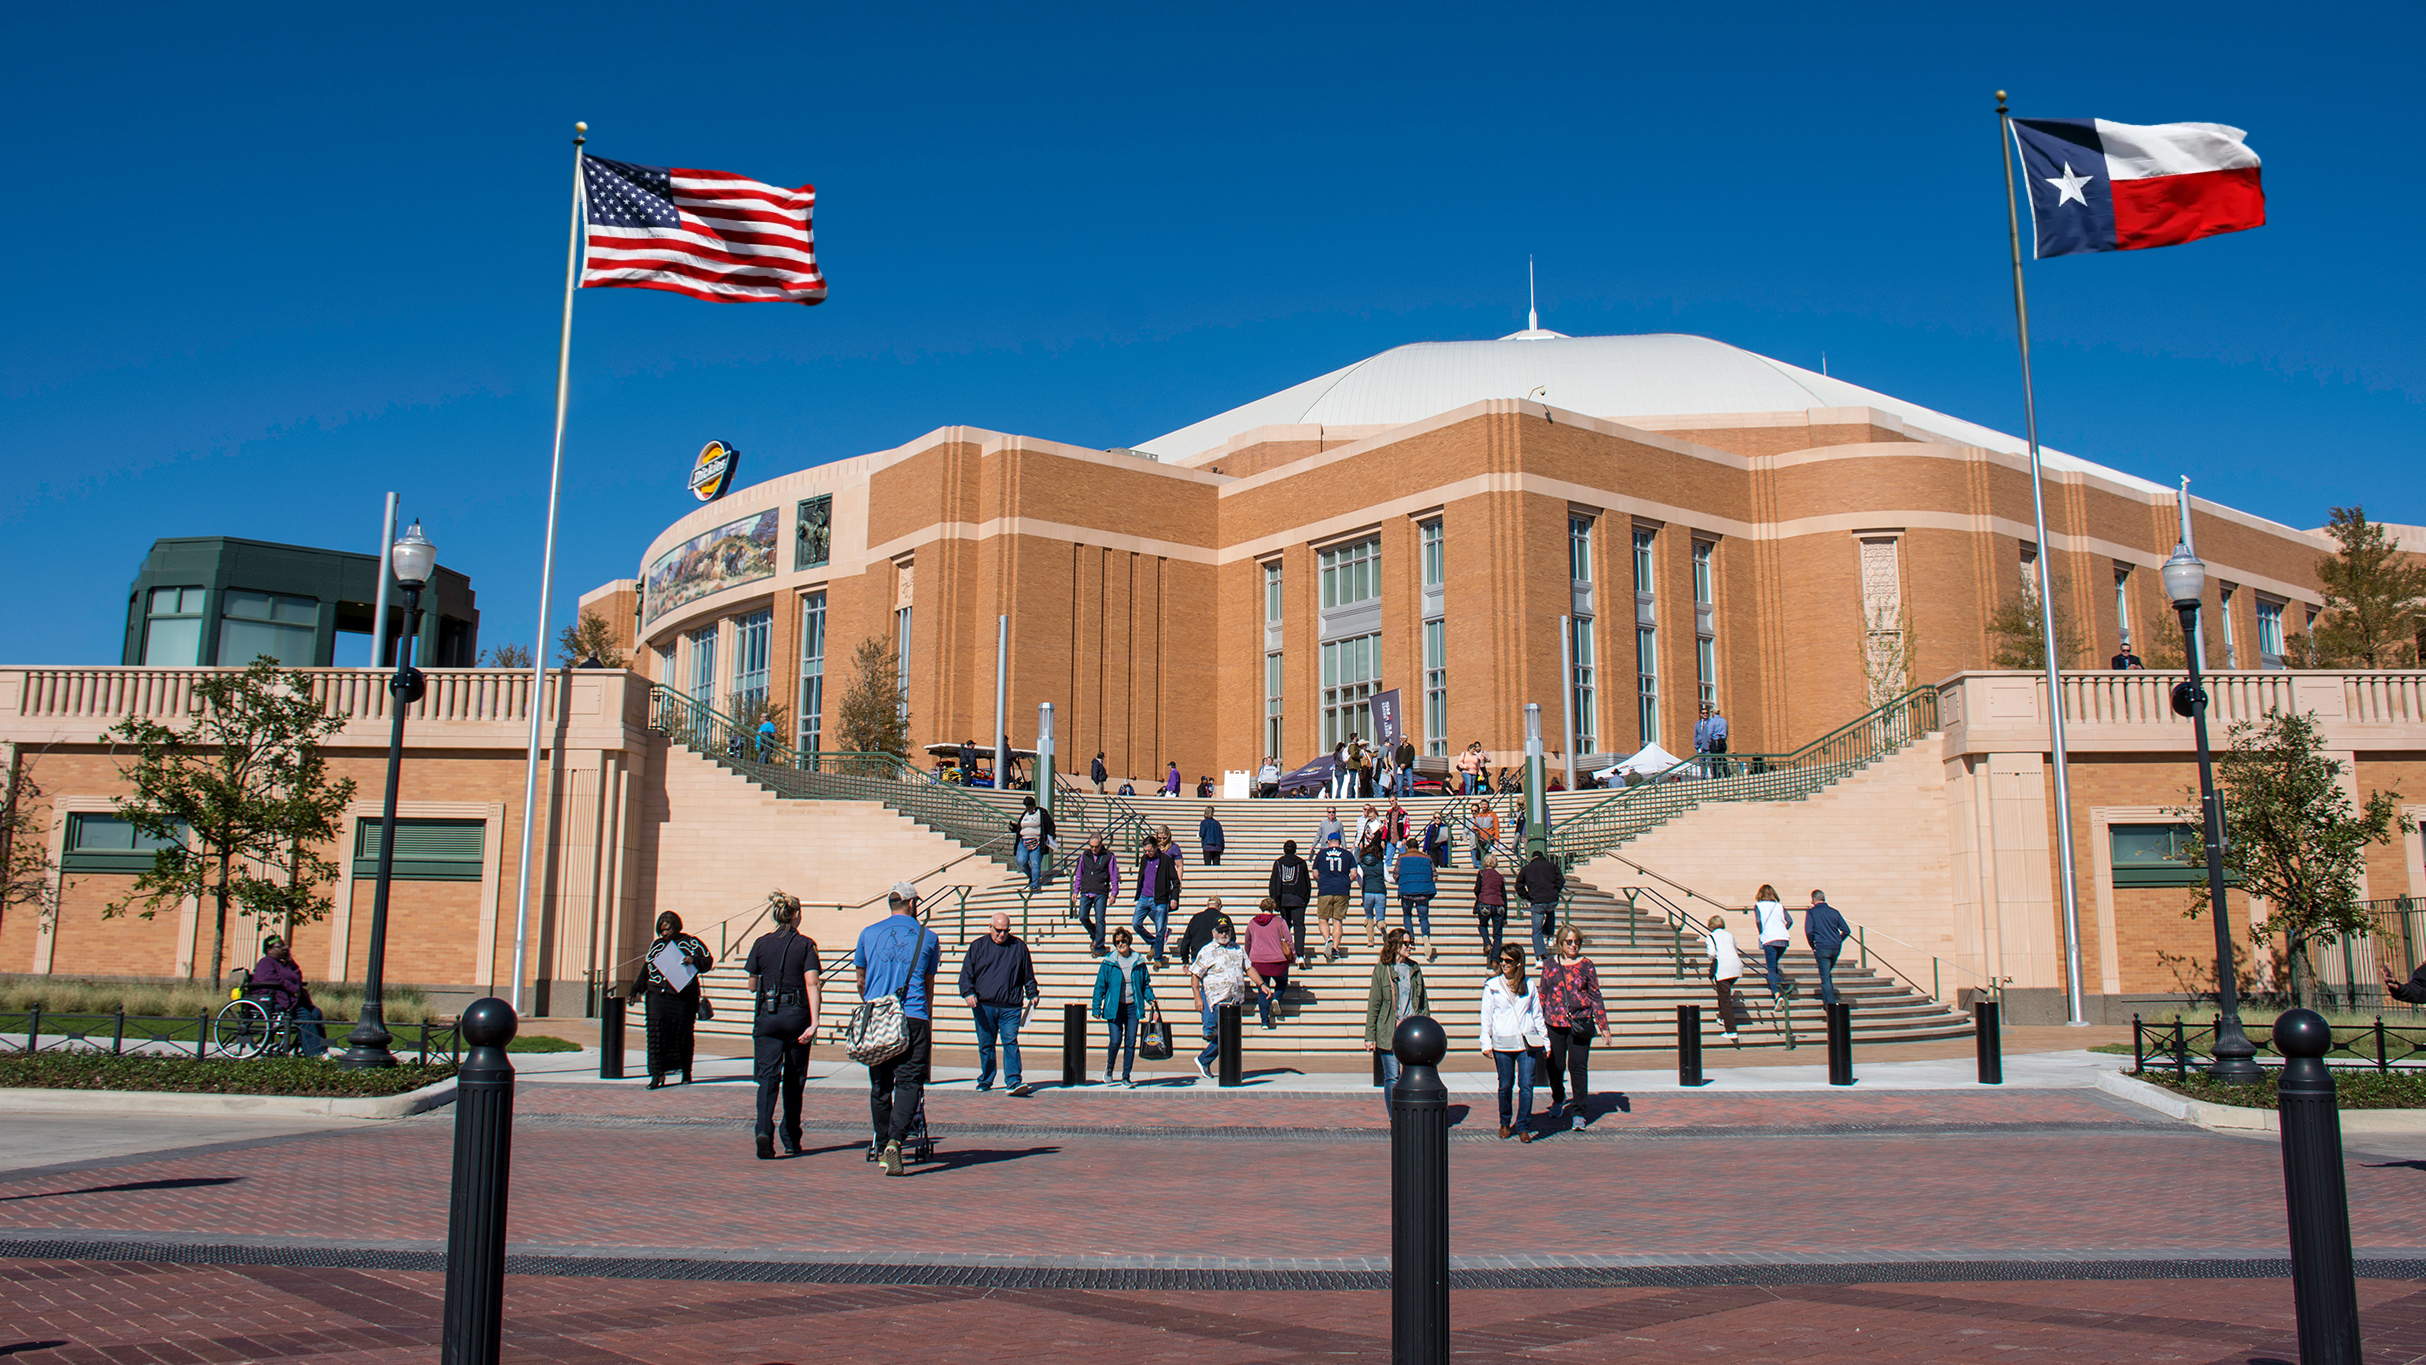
(547,577)
(2074,1007)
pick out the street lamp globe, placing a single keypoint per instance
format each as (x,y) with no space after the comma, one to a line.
(414,557)
(1533,729)
(2185,577)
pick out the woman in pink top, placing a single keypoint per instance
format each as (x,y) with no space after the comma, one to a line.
(1270,950)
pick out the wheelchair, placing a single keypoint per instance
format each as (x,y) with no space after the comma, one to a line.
(253,1025)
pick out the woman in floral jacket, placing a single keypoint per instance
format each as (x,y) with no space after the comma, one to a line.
(1572,1006)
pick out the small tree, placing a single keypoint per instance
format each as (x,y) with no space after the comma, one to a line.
(2017,632)
(1887,653)
(26,875)
(505,656)
(2291,835)
(2373,597)
(241,794)
(593,634)
(875,715)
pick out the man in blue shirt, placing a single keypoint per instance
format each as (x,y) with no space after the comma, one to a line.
(1826,932)
(898,956)
(1710,737)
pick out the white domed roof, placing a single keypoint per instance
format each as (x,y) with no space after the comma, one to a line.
(1660,375)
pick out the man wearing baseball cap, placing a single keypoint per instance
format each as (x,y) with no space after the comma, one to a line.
(898,956)
(1221,973)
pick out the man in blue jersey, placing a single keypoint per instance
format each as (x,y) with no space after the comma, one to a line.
(898,956)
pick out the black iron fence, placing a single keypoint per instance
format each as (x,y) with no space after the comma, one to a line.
(2177,1045)
(38,1030)
(2346,973)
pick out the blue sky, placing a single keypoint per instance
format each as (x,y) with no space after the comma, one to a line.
(275,261)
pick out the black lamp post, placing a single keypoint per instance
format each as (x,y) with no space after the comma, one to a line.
(414,558)
(2185,579)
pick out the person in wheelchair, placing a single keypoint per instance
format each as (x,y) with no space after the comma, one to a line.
(278,984)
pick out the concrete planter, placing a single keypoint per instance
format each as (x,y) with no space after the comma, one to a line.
(38,1101)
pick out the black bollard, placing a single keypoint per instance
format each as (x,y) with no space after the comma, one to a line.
(1991,1045)
(1073,1045)
(1230,1068)
(610,1039)
(1840,1044)
(1419,1197)
(475,1221)
(2324,1287)
(1689,1046)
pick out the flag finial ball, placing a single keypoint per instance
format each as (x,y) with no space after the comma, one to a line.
(583,127)
(2000,97)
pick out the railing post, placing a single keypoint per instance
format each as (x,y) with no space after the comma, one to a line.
(2324,1285)
(1689,1046)
(1073,1046)
(118,1035)
(2138,1060)
(33,1030)
(1991,1049)
(474,1313)
(1419,1197)
(1863,936)
(202,1036)
(2382,1063)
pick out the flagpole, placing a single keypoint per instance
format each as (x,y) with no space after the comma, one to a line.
(547,577)
(2074,1010)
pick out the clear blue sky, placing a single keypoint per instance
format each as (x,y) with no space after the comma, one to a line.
(274,262)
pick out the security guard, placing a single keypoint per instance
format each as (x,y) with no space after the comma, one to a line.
(783,970)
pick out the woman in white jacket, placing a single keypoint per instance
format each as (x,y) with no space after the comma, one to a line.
(1513,1029)
(1726,964)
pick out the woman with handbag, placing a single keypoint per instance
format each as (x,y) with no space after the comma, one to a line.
(1513,1035)
(1576,1013)
(672,1013)
(1124,997)
(1396,994)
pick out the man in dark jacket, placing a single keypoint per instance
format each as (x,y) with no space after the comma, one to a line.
(1292,885)
(1097,771)
(1541,884)
(1209,841)
(1095,884)
(2414,992)
(968,763)
(1404,761)
(1334,886)
(998,980)
(1826,932)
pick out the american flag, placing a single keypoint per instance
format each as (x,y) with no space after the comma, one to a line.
(703,233)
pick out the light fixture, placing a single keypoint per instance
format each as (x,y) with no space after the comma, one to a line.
(2185,577)
(414,557)
(1533,729)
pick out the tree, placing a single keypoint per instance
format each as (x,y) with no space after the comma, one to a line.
(26,874)
(2373,598)
(2017,639)
(242,798)
(1887,653)
(875,715)
(2291,835)
(593,634)
(505,656)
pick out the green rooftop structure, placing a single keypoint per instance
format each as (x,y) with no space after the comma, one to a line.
(219,600)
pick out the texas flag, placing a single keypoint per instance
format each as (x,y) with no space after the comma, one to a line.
(2099,186)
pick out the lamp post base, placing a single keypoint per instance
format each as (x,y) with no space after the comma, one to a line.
(2235,1055)
(367,1045)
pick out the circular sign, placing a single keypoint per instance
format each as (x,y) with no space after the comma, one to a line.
(712,472)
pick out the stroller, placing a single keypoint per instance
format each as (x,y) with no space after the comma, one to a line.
(919,1145)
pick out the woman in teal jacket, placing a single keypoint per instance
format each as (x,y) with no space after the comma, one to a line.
(1124,993)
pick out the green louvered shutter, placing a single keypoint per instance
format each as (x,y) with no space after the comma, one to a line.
(426,850)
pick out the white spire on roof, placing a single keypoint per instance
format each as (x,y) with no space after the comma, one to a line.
(1533,318)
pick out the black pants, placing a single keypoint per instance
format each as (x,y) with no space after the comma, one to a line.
(1295,917)
(783,1064)
(1570,1057)
(673,1019)
(1212,857)
(896,1087)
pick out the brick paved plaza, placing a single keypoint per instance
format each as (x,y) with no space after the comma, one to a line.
(1231,1227)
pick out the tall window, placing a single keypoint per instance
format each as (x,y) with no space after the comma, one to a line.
(2122,604)
(1271,594)
(1580,687)
(256,623)
(750,639)
(1435,561)
(2232,651)
(1579,549)
(1351,574)
(1705,625)
(1436,686)
(1351,667)
(703,665)
(1272,747)
(172,632)
(1646,637)
(812,671)
(2270,633)
(2030,571)
(813,531)
(665,663)
(901,664)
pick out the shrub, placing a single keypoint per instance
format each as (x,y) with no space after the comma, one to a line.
(213,1076)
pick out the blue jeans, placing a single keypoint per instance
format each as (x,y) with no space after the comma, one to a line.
(1414,911)
(1160,913)
(1827,971)
(1482,850)
(1515,1070)
(1406,782)
(1093,908)
(1121,1047)
(311,1040)
(1030,861)
(997,1021)
(1491,921)
(1777,979)
(1545,918)
(1389,1078)
(1212,1050)
(1377,906)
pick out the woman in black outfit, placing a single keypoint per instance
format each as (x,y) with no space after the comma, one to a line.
(672,1013)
